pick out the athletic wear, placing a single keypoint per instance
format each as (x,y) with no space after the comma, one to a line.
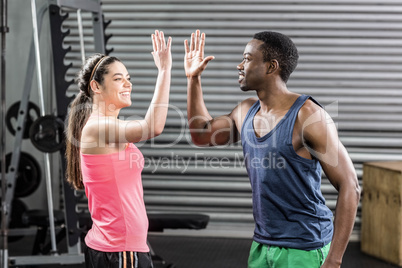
(264,256)
(115,200)
(125,259)
(288,207)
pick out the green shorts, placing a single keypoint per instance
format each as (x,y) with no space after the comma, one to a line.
(264,256)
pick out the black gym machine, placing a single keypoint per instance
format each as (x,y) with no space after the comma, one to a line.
(46,133)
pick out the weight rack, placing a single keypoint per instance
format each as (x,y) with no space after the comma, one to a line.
(73,232)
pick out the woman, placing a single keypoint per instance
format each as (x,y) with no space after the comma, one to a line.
(102,157)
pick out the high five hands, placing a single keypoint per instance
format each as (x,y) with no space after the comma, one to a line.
(194,61)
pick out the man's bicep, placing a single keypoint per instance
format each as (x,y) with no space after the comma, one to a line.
(220,130)
(321,137)
(328,149)
(224,130)
(227,128)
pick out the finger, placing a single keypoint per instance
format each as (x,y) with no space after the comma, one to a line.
(197,40)
(162,40)
(157,42)
(192,42)
(153,42)
(202,45)
(207,59)
(169,43)
(205,62)
(186,48)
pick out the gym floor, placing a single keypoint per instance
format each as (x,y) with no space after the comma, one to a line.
(206,252)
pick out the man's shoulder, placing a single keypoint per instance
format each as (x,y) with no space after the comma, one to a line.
(310,108)
(313,118)
(247,103)
(244,106)
(239,113)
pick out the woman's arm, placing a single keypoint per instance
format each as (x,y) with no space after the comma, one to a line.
(112,130)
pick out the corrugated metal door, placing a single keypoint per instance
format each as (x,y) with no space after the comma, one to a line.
(350,61)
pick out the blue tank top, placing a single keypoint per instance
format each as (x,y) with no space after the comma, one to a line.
(288,207)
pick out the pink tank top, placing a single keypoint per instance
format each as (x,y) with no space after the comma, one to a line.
(115,200)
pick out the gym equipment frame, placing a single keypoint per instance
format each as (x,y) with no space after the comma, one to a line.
(74,254)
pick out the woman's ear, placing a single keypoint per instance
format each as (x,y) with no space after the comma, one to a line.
(272,66)
(95,86)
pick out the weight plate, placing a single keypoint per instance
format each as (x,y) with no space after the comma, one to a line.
(33,113)
(47,133)
(18,208)
(28,175)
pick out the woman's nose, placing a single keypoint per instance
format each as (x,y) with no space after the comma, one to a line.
(128,83)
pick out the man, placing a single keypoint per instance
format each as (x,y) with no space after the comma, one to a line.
(293,226)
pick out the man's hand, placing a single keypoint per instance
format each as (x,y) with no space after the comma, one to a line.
(194,61)
(328,264)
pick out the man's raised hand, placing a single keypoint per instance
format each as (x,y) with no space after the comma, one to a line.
(194,61)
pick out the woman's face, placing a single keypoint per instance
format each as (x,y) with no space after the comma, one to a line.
(116,87)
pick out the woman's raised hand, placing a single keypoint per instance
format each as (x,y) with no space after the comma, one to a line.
(162,51)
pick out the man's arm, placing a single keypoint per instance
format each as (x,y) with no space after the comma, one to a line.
(205,130)
(321,138)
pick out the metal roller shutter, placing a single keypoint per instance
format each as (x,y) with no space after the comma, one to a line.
(350,61)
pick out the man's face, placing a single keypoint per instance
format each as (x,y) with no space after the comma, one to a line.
(252,70)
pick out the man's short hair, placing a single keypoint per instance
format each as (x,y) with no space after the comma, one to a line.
(281,48)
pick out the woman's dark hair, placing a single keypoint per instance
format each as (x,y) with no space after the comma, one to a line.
(281,48)
(94,68)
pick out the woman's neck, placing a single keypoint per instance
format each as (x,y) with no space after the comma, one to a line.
(103,109)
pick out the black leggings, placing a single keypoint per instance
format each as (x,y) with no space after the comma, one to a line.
(125,259)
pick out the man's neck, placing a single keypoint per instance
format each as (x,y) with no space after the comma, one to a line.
(275,97)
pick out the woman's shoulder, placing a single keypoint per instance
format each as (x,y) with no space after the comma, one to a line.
(91,128)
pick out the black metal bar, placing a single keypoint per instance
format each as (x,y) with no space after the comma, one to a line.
(4,229)
(61,86)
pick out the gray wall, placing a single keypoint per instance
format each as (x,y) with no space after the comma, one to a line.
(350,61)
